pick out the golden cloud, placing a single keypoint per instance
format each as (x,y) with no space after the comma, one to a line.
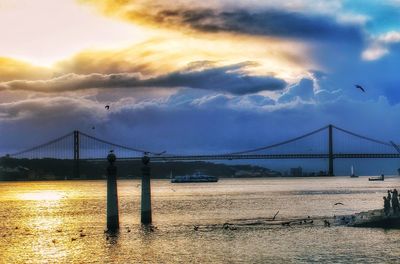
(284,59)
(12,69)
(165,62)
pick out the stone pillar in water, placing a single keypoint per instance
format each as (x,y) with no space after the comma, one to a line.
(146,192)
(112,195)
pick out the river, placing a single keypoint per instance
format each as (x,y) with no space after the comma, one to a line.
(64,222)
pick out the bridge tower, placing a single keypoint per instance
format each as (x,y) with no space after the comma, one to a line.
(330,154)
(76,170)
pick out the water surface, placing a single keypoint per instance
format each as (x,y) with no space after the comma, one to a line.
(64,222)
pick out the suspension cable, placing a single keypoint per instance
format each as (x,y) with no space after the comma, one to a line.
(363,137)
(278,144)
(117,145)
(396,147)
(42,145)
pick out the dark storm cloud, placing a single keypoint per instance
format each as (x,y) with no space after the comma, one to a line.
(268,22)
(47,108)
(229,79)
(224,79)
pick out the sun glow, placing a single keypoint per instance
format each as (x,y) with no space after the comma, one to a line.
(45,31)
(42,196)
(45,42)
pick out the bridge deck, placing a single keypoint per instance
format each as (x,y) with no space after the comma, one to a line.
(266,156)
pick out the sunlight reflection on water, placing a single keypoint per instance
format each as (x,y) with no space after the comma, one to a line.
(41,196)
(64,222)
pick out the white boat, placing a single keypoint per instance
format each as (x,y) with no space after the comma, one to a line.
(195,177)
(352,175)
(379,178)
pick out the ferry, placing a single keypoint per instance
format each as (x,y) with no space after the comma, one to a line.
(195,177)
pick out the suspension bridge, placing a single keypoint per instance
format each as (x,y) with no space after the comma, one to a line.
(329,142)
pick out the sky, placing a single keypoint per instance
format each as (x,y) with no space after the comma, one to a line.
(197,76)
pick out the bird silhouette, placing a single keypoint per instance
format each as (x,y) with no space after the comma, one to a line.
(338,204)
(107,107)
(359,87)
(112,151)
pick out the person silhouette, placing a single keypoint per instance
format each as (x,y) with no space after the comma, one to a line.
(395,201)
(386,205)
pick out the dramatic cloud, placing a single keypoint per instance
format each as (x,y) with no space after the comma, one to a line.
(48,108)
(11,69)
(174,51)
(231,79)
(380,45)
(304,90)
(269,20)
(269,23)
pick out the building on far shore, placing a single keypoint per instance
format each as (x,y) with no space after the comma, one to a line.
(296,172)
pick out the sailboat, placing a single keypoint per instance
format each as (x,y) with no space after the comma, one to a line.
(352,175)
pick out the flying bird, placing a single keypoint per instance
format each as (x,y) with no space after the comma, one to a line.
(107,107)
(112,151)
(359,87)
(338,204)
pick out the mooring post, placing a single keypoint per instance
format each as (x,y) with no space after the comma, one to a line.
(330,155)
(112,195)
(146,192)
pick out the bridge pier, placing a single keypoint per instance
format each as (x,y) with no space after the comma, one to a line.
(112,195)
(330,155)
(146,217)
